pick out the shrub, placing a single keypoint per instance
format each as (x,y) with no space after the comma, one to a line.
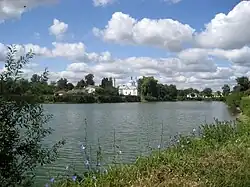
(233,101)
(150,98)
(245,105)
(22,129)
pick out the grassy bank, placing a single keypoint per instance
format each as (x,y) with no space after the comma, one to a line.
(215,155)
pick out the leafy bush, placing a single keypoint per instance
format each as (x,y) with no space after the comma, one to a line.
(245,105)
(150,98)
(233,101)
(21,129)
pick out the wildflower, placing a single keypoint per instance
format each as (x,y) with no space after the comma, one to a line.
(47,185)
(182,146)
(87,162)
(74,178)
(98,164)
(120,152)
(67,167)
(159,146)
(52,180)
(178,141)
(83,147)
(94,177)
(194,130)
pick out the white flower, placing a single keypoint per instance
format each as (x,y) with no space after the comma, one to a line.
(194,130)
(120,152)
(159,146)
(87,162)
(83,147)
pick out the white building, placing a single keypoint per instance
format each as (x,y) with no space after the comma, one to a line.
(129,88)
(192,95)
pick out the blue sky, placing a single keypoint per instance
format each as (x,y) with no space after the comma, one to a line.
(195,44)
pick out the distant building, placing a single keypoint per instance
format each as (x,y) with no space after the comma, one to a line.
(192,95)
(129,88)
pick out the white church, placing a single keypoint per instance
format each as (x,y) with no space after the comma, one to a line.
(129,89)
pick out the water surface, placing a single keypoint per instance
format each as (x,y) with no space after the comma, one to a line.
(136,125)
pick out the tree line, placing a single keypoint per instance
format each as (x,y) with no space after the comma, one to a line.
(149,89)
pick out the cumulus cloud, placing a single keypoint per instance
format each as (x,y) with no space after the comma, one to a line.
(166,33)
(190,67)
(58,29)
(102,2)
(15,8)
(227,31)
(236,56)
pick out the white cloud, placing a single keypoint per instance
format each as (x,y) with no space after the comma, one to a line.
(185,70)
(69,50)
(102,2)
(165,33)
(222,55)
(227,31)
(236,56)
(15,8)
(173,1)
(58,29)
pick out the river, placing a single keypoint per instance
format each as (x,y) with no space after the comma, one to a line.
(136,125)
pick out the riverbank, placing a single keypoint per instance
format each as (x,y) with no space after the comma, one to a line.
(214,155)
(74,99)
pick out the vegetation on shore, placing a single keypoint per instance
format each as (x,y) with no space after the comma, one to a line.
(63,91)
(22,128)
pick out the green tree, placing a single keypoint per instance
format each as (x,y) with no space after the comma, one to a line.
(225,90)
(81,84)
(35,78)
(62,84)
(243,83)
(218,93)
(90,79)
(107,83)
(21,129)
(207,92)
(149,87)
(70,86)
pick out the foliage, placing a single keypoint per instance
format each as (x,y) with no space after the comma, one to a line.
(81,84)
(21,126)
(89,79)
(150,90)
(70,86)
(107,83)
(62,84)
(233,101)
(207,92)
(245,105)
(243,83)
(225,90)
